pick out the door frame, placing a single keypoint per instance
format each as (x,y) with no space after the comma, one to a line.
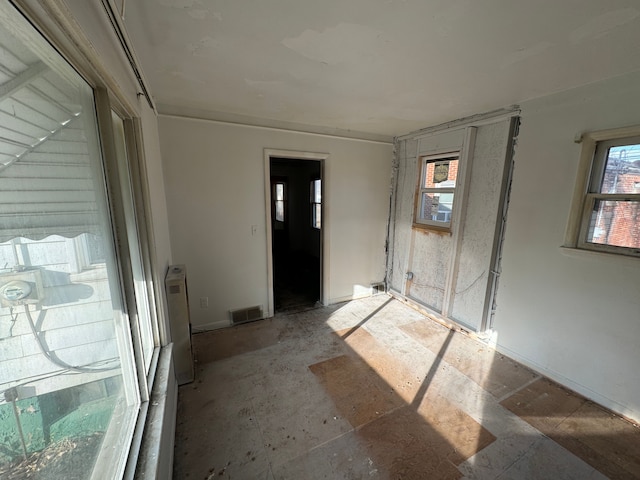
(270,153)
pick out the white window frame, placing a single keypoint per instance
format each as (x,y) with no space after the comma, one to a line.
(595,147)
(108,97)
(428,223)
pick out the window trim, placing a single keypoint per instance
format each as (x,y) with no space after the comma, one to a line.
(424,160)
(591,167)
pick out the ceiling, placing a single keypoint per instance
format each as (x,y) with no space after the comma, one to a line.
(375,68)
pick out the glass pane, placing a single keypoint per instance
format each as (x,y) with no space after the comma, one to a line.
(441,173)
(622,170)
(279,191)
(67,376)
(436,206)
(317,215)
(615,223)
(316,191)
(143,317)
(279,211)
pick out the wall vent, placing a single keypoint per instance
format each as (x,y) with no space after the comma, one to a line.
(377,288)
(246,315)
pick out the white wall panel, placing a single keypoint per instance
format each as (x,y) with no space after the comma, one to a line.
(214,176)
(572,315)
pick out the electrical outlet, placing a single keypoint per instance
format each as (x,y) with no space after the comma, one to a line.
(204,302)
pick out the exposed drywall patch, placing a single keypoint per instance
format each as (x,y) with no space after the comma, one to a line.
(345,43)
(603,24)
(475,251)
(525,53)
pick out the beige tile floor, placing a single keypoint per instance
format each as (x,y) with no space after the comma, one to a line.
(372,389)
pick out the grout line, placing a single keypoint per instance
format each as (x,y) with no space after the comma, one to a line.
(518,458)
(521,387)
(355,429)
(326,442)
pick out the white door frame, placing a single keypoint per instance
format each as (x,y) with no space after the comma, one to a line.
(270,153)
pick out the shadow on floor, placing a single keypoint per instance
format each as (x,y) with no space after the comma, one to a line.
(372,389)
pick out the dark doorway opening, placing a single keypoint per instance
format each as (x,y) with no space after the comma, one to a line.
(296,232)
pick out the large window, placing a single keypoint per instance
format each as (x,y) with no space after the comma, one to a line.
(436,190)
(74,351)
(610,219)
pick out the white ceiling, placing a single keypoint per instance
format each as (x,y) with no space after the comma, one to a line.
(383,67)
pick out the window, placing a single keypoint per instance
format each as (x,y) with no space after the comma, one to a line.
(436,190)
(316,203)
(611,211)
(76,325)
(279,201)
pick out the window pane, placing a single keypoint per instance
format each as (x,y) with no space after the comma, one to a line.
(615,223)
(441,173)
(436,206)
(622,170)
(67,376)
(316,191)
(279,191)
(317,215)
(279,211)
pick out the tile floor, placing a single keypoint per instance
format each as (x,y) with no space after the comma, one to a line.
(372,389)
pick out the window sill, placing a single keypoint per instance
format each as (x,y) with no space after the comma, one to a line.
(155,457)
(594,255)
(431,229)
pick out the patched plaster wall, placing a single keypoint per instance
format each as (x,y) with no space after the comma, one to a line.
(451,270)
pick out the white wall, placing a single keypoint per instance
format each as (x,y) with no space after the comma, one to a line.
(214,181)
(575,316)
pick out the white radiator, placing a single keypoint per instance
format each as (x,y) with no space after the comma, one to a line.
(178,304)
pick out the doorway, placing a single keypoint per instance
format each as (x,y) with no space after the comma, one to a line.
(295,203)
